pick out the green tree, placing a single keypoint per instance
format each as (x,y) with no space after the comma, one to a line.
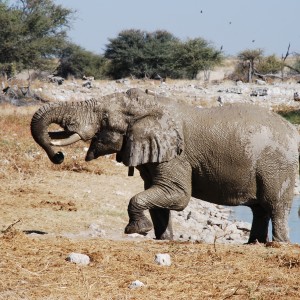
(249,58)
(126,53)
(76,61)
(159,54)
(32,32)
(197,55)
(295,68)
(140,53)
(269,65)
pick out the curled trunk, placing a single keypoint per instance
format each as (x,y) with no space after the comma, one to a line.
(46,115)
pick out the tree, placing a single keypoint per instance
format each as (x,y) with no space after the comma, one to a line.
(197,55)
(269,65)
(140,53)
(126,53)
(32,32)
(159,54)
(250,57)
(76,61)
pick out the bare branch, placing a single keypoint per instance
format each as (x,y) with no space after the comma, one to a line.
(287,53)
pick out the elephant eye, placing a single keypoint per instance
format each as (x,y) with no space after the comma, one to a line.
(104,122)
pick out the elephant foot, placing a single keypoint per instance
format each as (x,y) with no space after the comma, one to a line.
(141,226)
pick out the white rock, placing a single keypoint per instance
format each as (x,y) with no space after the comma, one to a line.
(234,237)
(244,226)
(163,259)
(214,221)
(78,258)
(136,284)
(136,235)
(231,228)
(96,230)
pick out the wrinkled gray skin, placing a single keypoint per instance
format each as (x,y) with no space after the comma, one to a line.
(230,155)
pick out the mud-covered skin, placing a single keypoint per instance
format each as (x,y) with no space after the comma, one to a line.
(230,155)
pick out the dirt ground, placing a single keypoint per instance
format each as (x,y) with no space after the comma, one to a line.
(82,207)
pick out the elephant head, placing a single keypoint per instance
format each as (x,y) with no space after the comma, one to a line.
(133,124)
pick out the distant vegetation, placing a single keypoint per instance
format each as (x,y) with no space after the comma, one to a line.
(148,54)
(33,35)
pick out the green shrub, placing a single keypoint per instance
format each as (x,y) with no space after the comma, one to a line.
(140,53)
(269,65)
(77,62)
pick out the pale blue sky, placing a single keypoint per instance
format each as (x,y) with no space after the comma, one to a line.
(234,24)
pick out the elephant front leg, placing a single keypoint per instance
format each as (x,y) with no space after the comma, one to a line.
(162,222)
(138,222)
(159,202)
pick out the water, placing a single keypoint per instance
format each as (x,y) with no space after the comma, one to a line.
(243,213)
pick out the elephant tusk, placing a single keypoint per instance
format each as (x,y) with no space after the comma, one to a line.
(68,141)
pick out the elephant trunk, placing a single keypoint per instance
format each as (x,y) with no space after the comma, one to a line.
(39,130)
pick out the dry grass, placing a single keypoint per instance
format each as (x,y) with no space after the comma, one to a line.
(69,197)
(35,268)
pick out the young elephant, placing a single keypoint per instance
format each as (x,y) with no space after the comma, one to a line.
(230,155)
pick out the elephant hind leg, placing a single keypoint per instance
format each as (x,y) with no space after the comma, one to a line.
(280,225)
(260,223)
(161,218)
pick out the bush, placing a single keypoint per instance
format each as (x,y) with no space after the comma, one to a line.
(269,65)
(140,53)
(77,62)
(296,66)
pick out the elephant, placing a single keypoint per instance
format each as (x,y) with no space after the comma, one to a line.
(238,154)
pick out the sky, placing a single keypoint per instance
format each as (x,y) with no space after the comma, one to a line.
(234,25)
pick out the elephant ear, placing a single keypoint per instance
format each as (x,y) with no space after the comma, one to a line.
(153,136)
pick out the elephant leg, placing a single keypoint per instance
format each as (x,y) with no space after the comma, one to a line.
(280,226)
(168,187)
(280,213)
(161,219)
(138,222)
(154,198)
(260,223)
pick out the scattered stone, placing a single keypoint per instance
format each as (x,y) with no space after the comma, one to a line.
(56,79)
(78,258)
(296,96)
(243,226)
(233,90)
(87,84)
(203,221)
(163,259)
(96,230)
(234,236)
(259,92)
(136,284)
(135,235)
(260,82)
(89,78)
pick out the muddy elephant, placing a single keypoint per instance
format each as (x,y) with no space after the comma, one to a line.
(231,155)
